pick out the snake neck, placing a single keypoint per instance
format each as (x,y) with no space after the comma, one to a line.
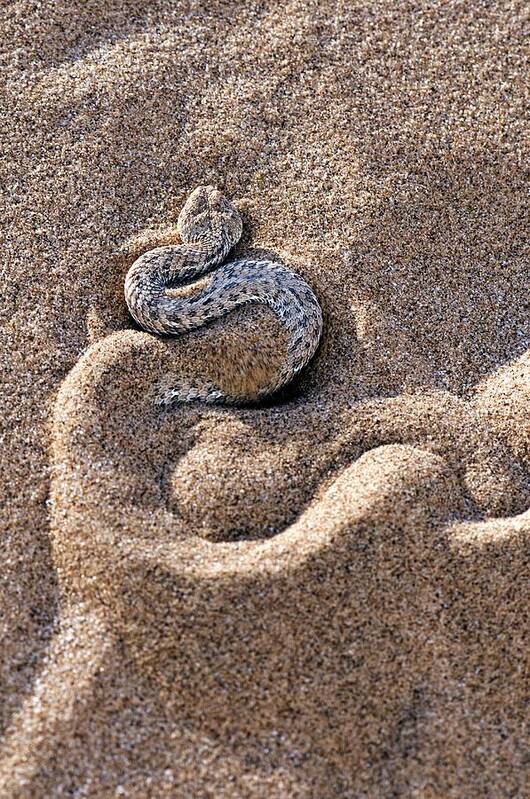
(172,265)
(216,243)
(169,267)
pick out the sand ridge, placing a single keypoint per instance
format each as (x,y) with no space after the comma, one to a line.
(324,596)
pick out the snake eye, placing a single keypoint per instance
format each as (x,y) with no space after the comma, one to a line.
(215,197)
(198,200)
(220,202)
(201,201)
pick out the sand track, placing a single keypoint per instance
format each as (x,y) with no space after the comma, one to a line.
(208,621)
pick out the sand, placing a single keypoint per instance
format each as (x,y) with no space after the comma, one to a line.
(326,596)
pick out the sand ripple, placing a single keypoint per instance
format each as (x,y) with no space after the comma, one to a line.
(146,505)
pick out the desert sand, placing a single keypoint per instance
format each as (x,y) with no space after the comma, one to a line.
(327,595)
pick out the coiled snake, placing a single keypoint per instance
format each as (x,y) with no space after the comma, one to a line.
(175,289)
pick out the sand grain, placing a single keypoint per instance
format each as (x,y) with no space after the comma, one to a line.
(326,596)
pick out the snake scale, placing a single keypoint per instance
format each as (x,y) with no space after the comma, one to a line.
(175,289)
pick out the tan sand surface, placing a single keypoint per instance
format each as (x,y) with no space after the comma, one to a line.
(326,596)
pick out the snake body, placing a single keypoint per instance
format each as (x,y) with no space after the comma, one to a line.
(175,289)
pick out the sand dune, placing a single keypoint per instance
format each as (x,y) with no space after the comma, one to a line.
(324,596)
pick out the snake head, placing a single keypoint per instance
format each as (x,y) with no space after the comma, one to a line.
(208,215)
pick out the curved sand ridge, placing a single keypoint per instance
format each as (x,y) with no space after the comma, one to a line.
(138,529)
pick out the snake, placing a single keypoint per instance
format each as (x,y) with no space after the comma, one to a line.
(175,289)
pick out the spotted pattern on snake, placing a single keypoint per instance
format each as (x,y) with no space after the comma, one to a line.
(176,289)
